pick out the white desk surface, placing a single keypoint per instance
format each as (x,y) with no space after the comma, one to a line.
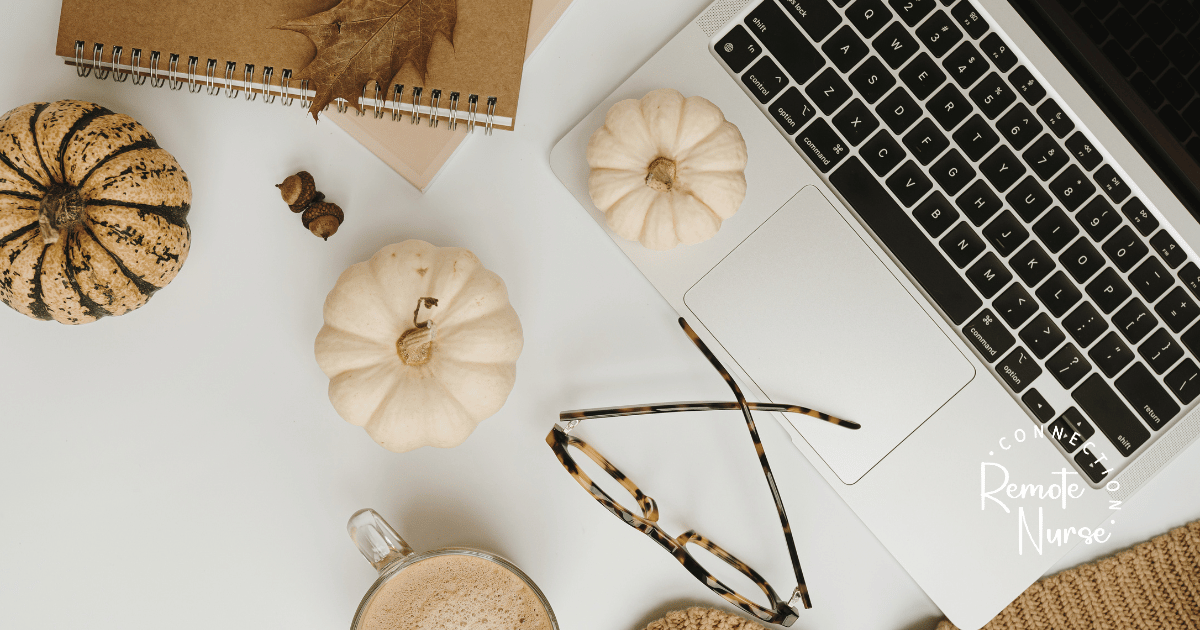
(182,467)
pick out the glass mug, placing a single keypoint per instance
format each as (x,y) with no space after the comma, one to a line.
(390,555)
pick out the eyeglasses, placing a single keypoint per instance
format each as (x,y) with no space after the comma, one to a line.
(559,439)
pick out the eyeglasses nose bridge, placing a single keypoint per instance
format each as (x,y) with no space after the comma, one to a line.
(649,507)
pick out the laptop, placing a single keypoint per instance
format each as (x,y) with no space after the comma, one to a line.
(969,226)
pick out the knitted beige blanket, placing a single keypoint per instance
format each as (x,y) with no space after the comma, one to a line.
(1153,586)
(698,618)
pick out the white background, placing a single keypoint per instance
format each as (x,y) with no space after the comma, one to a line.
(181,466)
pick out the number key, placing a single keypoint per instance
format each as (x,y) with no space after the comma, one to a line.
(1125,249)
(1046,157)
(911,11)
(965,64)
(993,95)
(1019,126)
(1072,188)
(1098,219)
(939,34)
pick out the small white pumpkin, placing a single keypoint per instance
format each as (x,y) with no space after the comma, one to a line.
(420,345)
(666,169)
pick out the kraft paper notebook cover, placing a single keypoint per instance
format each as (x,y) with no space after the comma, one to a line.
(418,152)
(228,46)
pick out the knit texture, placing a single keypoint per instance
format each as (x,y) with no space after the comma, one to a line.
(1153,586)
(698,618)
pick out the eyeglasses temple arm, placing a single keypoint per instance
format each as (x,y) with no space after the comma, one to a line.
(710,405)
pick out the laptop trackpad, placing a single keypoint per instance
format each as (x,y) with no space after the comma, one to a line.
(814,318)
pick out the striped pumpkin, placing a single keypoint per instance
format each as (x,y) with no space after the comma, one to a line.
(93,214)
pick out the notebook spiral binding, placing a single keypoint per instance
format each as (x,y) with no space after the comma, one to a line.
(380,103)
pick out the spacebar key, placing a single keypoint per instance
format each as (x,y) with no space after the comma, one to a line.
(900,233)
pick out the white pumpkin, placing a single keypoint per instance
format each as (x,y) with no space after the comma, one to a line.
(420,345)
(666,169)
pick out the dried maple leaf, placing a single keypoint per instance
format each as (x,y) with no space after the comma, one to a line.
(362,41)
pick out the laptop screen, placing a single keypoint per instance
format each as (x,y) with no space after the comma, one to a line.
(1140,60)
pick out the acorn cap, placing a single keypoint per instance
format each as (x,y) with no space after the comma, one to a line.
(297,190)
(323,219)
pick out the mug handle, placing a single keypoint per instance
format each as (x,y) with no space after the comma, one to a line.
(378,542)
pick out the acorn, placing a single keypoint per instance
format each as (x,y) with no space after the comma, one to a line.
(323,219)
(300,193)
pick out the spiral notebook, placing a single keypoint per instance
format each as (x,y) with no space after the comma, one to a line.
(228,47)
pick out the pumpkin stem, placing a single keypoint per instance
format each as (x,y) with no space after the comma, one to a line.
(62,207)
(660,174)
(415,346)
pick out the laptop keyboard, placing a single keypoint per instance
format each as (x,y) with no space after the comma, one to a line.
(1154,46)
(995,200)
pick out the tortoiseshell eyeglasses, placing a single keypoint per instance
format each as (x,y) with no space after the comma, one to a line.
(780,612)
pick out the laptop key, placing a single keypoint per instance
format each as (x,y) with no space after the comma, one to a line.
(998,52)
(939,34)
(828,91)
(765,80)
(1110,354)
(1032,263)
(817,17)
(1015,305)
(1018,370)
(1055,229)
(969,19)
(1110,414)
(901,235)
(988,335)
(1109,290)
(1067,366)
(1085,324)
(1147,397)
(1072,188)
(1042,336)
(1006,233)
(1151,279)
(883,153)
(993,95)
(872,79)
(962,244)
(1027,86)
(1058,294)
(1125,249)
(935,214)
(925,141)
(1184,381)
(1056,119)
(1177,310)
(1045,157)
(1071,430)
(1190,275)
(1098,218)
(868,16)
(978,202)
(1038,405)
(738,48)
(949,107)
(952,171)
(1019,126)
(1111,183)
(791,111)
(1140,216)
(989,275)
(777,32)
(1002,168)
(1084,150)
(975,137)
(895,45)
(1028,199)
(965,65)
(1082,260)
(922,75)
(1166,247)
(912,11)
(855,122)
(1160,351)
(909,183)
(898,111)
(1135,321)
(822,145)
(845,48)
(1091,466)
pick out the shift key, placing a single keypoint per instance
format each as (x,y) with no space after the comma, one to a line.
(783,40)
(1109,412)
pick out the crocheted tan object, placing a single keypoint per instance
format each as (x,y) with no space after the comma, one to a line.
(1153,586)
(698,618)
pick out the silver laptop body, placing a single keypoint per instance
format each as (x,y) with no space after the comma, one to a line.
(953,472)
